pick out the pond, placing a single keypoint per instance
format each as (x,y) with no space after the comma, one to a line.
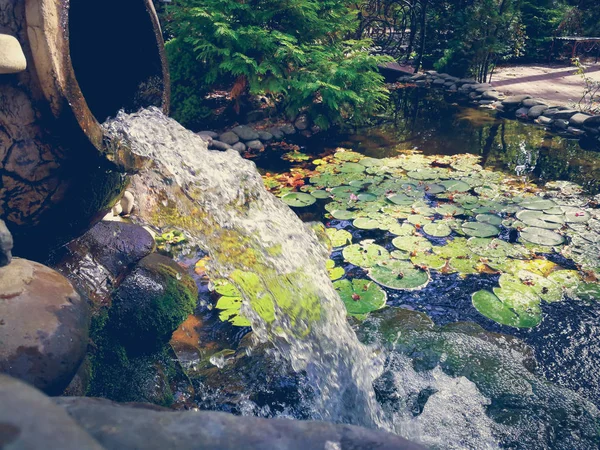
(446,223)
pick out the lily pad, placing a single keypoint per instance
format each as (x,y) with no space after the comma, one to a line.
(335,273)
(320,194)
(366,254)
(437,229)
(541,236)
(361,296)
(455,186)
(343,214)
(400,275)
(478,229)
(412,243)
(495,309)
(298,199)
(338,238)
(351,167)
(540,219)
(537,203)
(492,219)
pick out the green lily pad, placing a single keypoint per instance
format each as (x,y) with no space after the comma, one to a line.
(400,275)
(361,296)
(366,254)
(492,219)
(541,236)
(455,186)
(298,199)
(412,243)
(371,162)
(437,229)
(540,219)
(367,197)
(449,210)
(401,199)
(429,260)
(478,229)
(320,194)
(545,288)
(338,238)
(418,219)
(489,305)
(575,215)
(335,273)
(404,229)
(537,203)
(351,167)
(343,214)
(344,192)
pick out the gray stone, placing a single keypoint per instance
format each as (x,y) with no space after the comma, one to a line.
(288,129)
(515,100)
(543,120)
(536,111)
(208,133)
(418,77)
(447,84)
(492,95)
(551,112)
(467,81)
(432,72)
(483,87)
(439,82)
(30,420)
(229,138)
(6,245)
(521,113)
(561,124)
(575,131)
(265,136)
(421,83)
(592,121)
(12,58)
(245,132)
(206,138)
(256,115)
(45,326)
(578,119)
(255,145)
(529,102)
(486,102)
(592,131)
(239,147)
(137,426)
(499,107)
(565,114)
(127,203)
(276,132)
(474,95)
(302,123)
(218,145)
(453,88)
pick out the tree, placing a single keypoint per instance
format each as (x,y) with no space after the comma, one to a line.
(295,51)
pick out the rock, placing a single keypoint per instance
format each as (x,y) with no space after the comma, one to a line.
(315,129)
(218,145)
(418,77)
(97,261)
(447,84)
(565,114)
(140,426)
(543,120)
(302,122)
(522,113)
(265,136)
(78,387)
(433,73)
(240,147)
(515,100)
(421,83)
(127,203)
(486,102)
(439,82)
(492,95)
(288,129)
(578,119)
(592,121)
(30,420)
(229,138)
(561,124)
(551,112)
(483,87)
(6,245)
(44,328)
(474,95)
(208,133)
(575,131)
(206,138)
(453,88)
(255,145)
(536,111)
(151,302)
(256,115)
(467,81)
(499,107)
(592,131)
(12,58)
(245,132)
(117,209)
(530,102)
(276,132)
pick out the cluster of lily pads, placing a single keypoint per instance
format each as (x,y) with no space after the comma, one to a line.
(448,214)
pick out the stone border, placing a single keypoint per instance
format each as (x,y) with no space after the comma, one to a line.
(523,107)
(246,138)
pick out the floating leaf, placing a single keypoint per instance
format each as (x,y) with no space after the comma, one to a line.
(351,167)
(335,273)
(343,214)
(404,229)
(449,210)
(366,254)
(537,203)
(575,215)
(412,243)
(361,296)
(298,199)
(540,219)
(320,194)
(479,229)
(541,236)
(338,238)
(437,229)
(491,219)
(455,186)
(401,275)
(495,309)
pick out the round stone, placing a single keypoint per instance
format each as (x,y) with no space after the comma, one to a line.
(44,326)
(12,58)
(229,138)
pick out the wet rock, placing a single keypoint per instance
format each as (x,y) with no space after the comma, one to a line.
(255,145)
(151,302)
(44,326)
(229,138)
(514,100)
(218,145)
(265,136)
(530,102)
(12,58)
(239,147)
(276,132)
(536,111)
(95,262)
(30,420)
(302,123)
(565,114)
(543,120)
(6,245)
(127,203)
(245,132)
(139,426)
(208,133)
(592,121)
(522,113)
(288,129)
(578,119)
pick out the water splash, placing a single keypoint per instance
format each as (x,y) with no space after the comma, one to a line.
(261,246)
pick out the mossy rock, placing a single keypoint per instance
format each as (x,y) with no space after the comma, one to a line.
(151,303)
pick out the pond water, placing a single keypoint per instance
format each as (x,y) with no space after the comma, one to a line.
(465,248)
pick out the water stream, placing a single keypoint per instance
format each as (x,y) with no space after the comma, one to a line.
(261,246)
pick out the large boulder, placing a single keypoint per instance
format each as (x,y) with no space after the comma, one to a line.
(45,326)
(30,420)
(125,427)
(151,302)
(6,245)
(592,122)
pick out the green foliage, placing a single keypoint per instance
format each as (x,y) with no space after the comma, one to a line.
(295,52)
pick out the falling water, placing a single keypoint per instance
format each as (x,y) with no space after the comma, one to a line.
(261,246)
